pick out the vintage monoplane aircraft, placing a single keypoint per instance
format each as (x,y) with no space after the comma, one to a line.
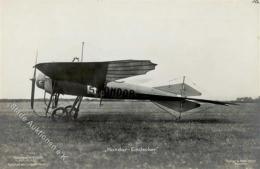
(99,80)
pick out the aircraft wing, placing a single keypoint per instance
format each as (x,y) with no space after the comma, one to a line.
(95,73)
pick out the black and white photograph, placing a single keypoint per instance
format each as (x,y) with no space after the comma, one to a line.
(139,84)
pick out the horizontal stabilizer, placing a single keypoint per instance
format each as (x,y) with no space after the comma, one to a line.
(179,106)
(179,89)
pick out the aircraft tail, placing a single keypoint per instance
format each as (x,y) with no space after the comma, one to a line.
(178,106)
(180,89)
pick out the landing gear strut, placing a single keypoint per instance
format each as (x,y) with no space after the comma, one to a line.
(74,109)
(67,113)
(56,100)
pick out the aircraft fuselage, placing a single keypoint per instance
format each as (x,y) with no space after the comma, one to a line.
(113,90)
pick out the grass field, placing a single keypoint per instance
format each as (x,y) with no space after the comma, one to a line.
(209,137)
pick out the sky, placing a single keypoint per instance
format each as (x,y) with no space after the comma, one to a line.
(215,43)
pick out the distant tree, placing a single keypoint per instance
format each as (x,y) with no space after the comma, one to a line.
(257,99)
(245,99)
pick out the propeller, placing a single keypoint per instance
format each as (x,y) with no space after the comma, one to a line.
(33,79)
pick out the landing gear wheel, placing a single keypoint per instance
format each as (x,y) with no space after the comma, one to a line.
(74,113)
(60,114)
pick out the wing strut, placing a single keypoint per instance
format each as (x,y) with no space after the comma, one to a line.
(82,50)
